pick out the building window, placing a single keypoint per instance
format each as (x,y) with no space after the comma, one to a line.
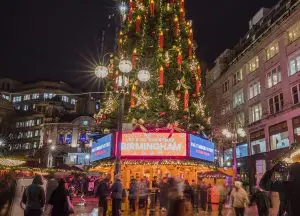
(6,97)
(27,97)
(225,109)
(29,134)
(296,94)
(17,99)
(294,64)
(255,113)
(274,77)
(239,120)
(238,98)
(276,104)
(252,65)
(68,139)
(36,133)
(225,86)
(242,150)
(73,101)
(279,140)
(38,121)
(254,89)
(65,99)
(294,32)
(258,146)
(35,96)
(272,50)
(238,76)
(26,107)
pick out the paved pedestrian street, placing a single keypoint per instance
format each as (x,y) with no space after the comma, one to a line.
(90,209)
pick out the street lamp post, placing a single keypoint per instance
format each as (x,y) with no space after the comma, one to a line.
(234,139)
(122,81)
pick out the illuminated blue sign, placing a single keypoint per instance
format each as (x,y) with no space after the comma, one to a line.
(101,148)
(201,148)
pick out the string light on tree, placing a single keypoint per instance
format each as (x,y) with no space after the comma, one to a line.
(142,100)
(199,107)
(173,101)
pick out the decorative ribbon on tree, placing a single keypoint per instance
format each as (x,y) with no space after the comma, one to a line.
(186,100)
(161,40)
(176,26)
(138,24)
(179,60)
(134,58)
(132,96)
(152,8)
(190,49)
(161,77)
(174,127)
(181,84)
(139,125)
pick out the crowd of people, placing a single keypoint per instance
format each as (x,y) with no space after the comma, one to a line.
(173,196)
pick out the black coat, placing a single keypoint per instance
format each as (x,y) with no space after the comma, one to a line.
(103,190)
(262,200)
(290,188)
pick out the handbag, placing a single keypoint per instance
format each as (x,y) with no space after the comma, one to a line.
(69,208)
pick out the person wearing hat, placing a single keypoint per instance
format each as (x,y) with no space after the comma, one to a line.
(34,197)
(239,199)
(117,192)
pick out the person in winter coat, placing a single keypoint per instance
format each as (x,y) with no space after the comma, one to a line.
(143,193)
(60,200)
(194,197)
(34,197)
(117,194)
(52,184)
(209,193)
(102,193)
(262,202)
(163,193)
(187,190)
(239,199)
(291,187)
(203,196)
(133,193)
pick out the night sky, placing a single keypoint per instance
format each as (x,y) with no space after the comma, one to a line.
(48,39)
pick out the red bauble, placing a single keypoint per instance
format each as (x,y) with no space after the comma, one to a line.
(178,95)
(162,114)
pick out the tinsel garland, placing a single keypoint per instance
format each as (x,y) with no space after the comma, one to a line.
(146,162)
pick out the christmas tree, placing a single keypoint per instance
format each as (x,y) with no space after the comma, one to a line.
(164,87)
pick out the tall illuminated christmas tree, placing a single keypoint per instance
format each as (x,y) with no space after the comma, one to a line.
(163,89)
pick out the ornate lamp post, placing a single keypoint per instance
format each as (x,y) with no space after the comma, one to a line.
(234,136)
(122,81)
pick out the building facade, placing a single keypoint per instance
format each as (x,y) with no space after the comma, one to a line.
(38,112)
(257,86)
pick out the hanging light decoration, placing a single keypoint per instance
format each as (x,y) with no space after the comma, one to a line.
(125,66)
(144,75)
(101,72)
(122,81)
